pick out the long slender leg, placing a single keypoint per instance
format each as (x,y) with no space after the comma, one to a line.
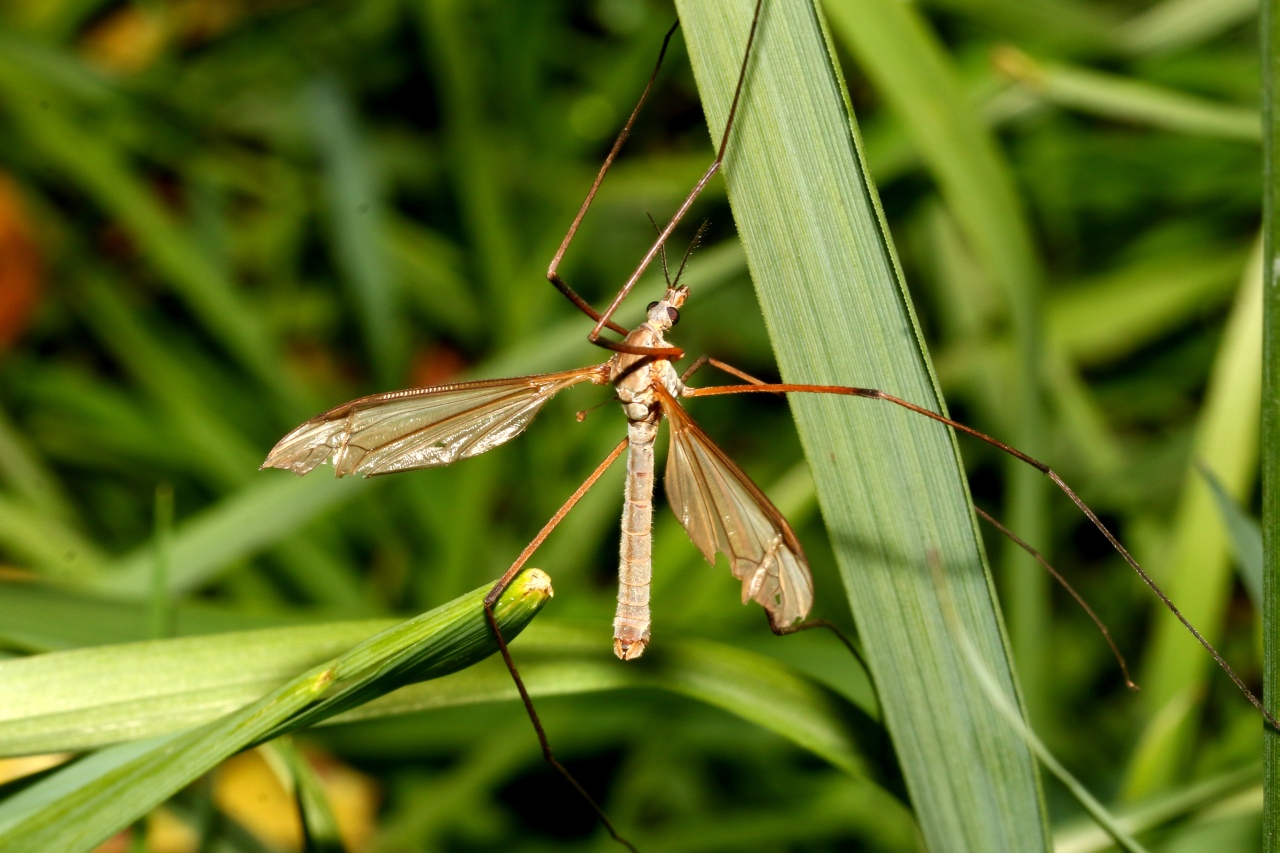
(876,394)
(720,365)
(856,651)
(674,352)
(492,598)
(810,624)
(553,274)
(1056,575)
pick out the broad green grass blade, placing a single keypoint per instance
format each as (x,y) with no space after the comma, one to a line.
(1270,439)
(88,698)
(889,483)
(912,70)
(445,640)
(1197,576)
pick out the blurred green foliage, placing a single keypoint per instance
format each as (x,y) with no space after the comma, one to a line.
(217,219)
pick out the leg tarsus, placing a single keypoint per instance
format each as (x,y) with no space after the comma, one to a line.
(862,661)
(547,755)
(1038,557)
(809,624)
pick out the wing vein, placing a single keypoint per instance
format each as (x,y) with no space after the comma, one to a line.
(722,510)
(422,427)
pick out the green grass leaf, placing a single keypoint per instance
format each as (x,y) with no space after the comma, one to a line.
(1246,536)
(89,698)
(77,808)
(1270,439)
(1197,576)
(889,483)
(1115,97)
(913,71)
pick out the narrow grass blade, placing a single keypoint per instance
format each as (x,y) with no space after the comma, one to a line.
(231,530)
(1245,533)
(483,212)
(1087,837)
(1178,24)
(1104,819)
(47,544)
(1270,29)
(890,484)
(209,433)
(160,621)
(1065,24)
(432,268)
(86,157)
(1123,99)
(26,474)
(1197,576)
(1104,319)
(428,646)
(319,825)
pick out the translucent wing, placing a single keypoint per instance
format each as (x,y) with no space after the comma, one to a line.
(421,427)
(722,510)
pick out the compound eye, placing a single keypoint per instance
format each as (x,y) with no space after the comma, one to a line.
(673,316)
(652,305)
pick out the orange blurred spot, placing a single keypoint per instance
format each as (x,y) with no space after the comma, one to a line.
(21,267)
(128,39)
(436,366)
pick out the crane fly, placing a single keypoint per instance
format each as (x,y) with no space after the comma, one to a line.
(719,506)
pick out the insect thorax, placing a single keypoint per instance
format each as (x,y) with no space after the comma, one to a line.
(634,376)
